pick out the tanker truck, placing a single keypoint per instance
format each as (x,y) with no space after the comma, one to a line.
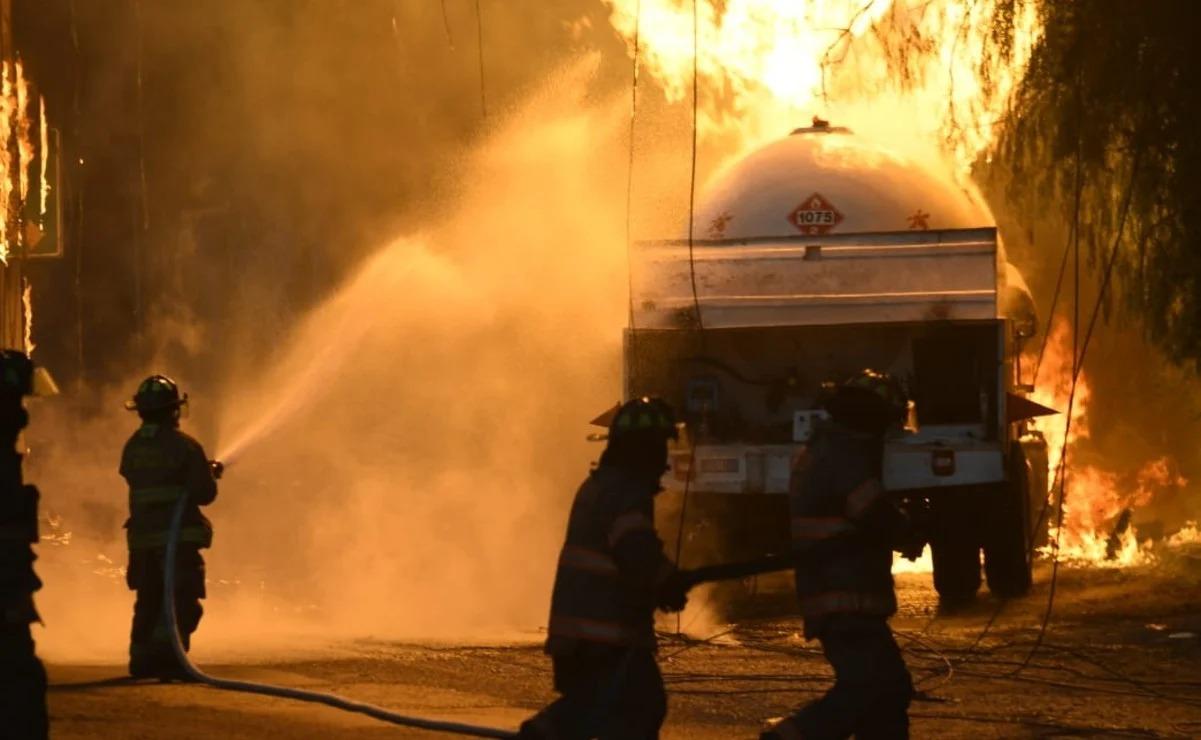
(814,257)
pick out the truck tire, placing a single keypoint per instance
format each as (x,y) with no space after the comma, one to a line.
(1008,555)
(955,546)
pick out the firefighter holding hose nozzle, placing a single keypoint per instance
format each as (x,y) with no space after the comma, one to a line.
(162,465)
(611,577)
(844,530)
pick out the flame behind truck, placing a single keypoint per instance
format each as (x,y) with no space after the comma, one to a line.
(813,258)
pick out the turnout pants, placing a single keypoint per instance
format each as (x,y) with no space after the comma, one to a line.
(22,685)
(605,692)
(150,652)
(872,688)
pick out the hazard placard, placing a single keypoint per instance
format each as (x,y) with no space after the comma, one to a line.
(815,215)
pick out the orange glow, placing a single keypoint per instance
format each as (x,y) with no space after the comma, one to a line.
(1095,498)
(27,304)
(44,152)
(923,564)
(765,66)
(25,150)
(7,105)
(1188,535)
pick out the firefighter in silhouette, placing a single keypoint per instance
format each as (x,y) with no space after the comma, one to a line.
(612,574)
(844,530)
(22,677)
(162,465)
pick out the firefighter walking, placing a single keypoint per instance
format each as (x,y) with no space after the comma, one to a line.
(162,465)
(612,574)
(844,529)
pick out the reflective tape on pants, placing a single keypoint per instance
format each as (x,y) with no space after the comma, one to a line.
(808,528)
(157,494)
(201,536)
(847,602)
(593,630)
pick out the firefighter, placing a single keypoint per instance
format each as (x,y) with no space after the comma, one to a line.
(612,574)
(844,529)
(22,676)
(161,464)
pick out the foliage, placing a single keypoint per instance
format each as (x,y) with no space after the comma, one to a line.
(1112,100)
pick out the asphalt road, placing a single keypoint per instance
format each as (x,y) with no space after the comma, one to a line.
(1121,658)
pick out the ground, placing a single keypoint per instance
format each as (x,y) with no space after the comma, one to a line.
(1121,658)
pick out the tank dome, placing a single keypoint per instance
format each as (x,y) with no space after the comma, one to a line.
(827,180)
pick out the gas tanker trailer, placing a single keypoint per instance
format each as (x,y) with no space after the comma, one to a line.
(814,257)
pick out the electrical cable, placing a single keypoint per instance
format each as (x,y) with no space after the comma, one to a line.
(479,40)
(283,692)
(684,514)
(696,301)
(1042,350)
(1073,236)
(633,365)
(939,655)
(450,41)
(1077,367)
(1073,239)
(1071,245)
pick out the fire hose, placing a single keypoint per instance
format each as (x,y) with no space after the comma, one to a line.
(730,571)
(283,692)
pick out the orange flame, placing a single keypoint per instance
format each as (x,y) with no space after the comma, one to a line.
(44,152)
(765,65)
(7,106)
(1094,498)
(923,564)
(25,150)
(27,304)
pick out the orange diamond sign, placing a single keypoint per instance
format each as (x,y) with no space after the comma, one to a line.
(815,215)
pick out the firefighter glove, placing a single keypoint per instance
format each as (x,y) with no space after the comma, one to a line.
(673,592)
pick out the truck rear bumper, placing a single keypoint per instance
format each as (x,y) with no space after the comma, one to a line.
(765,469)
(910,466)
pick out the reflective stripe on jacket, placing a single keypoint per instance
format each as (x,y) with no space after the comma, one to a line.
(163,465)
(609,567)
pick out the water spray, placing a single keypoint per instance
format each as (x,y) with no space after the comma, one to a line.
(319,370)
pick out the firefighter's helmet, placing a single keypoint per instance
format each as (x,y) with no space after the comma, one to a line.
(882,385)
(869,397)
(652,417)
(156,393)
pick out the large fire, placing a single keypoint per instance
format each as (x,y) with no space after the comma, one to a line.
(44,164)
(895,71)
(765,65)
(16,128)
(1100,505)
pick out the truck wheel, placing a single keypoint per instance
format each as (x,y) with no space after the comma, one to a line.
(955,547)
(1008,556)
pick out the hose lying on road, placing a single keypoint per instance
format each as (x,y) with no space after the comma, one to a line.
(332,700)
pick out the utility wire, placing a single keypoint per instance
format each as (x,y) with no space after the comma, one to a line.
(479,40)
(1077,367)
(696,301)
(1073,240)
(450,40)
(633,348)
